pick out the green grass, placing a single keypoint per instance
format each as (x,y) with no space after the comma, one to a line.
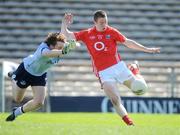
(89,124)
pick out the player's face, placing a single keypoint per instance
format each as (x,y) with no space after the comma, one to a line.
(101,24)
(59,45)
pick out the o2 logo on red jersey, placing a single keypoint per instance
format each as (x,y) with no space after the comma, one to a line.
(99,46)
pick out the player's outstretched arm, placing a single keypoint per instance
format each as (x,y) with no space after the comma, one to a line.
(134,45)
(67,21)
(68,47)
(53,53)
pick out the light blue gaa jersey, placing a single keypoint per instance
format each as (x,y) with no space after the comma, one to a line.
(36,64)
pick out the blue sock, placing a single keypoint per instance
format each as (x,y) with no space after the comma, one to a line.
(18,111)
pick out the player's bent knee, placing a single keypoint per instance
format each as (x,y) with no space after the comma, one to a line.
(139,86)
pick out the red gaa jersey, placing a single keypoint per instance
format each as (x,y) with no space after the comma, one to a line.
(102,46)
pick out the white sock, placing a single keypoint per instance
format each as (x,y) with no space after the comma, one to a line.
(121,110)
(18,111)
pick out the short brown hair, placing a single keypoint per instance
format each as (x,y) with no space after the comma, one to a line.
(99,14)
(53,38)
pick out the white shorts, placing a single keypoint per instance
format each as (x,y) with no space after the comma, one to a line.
(116,73)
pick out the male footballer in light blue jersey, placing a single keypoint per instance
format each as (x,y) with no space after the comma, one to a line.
(32,72)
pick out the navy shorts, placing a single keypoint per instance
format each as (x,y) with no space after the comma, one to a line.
(24,79)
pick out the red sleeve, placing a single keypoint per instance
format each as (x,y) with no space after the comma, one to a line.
(80,36)
(118,36)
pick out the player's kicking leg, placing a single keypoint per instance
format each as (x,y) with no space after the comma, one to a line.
(134,68)
(137,83)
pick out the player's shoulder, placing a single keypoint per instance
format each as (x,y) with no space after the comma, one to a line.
(88,30)
(43,45)
(114,31)
(110,28)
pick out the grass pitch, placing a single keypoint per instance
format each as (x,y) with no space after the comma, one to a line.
(89,124)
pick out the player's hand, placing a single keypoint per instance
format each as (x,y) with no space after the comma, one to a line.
(153,50)
(66,49)
(70,45)
(68,19)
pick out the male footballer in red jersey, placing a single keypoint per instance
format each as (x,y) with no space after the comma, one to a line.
(101,41)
